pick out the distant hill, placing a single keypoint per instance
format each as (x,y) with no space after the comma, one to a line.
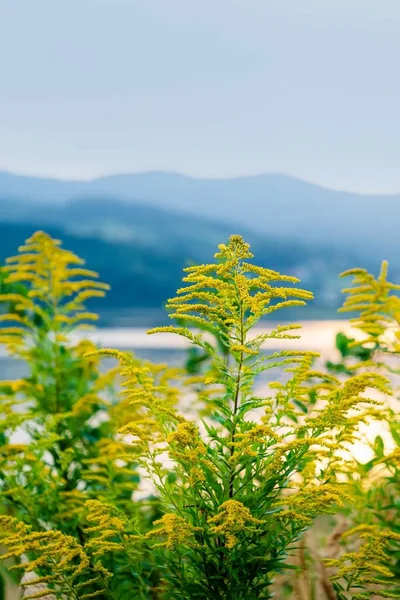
(144,270)
(139,231)
(274,205)
(117,220)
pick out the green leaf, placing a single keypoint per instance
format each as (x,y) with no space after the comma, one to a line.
(342,343)
(395,433)
(379,447)
(301,406)
(171,477)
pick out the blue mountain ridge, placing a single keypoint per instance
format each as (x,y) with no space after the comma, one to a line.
(269,204)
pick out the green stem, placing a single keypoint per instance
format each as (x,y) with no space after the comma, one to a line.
(236,403)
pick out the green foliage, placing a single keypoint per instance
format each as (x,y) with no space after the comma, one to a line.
(230,484)
(348,349)
(244,489)
(65,407)
(376,486)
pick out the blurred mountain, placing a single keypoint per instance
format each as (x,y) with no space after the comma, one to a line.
(37,189)
(139,231)
(144,269)
(275,205)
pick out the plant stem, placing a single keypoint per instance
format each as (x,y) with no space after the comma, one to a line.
(236,402)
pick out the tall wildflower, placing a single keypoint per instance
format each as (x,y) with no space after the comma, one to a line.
(371,558)
(63,410)
(59,561)
(243,484)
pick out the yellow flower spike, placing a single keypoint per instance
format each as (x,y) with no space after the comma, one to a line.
(45,268)
(258,434)
(59,555)
(219,295)
(187,433)
(232,519)
(377,305)
(176,530)
(244,349)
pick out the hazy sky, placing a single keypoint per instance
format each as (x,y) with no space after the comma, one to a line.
(205,87)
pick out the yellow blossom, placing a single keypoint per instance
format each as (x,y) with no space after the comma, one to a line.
(233,519)
(176,529)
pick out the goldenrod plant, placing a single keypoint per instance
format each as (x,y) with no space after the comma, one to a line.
(360,556)
(238,482)
(58,423)
(240,487)
(372,569)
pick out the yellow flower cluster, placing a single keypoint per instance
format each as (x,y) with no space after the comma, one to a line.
(186,447)
(349,397)
(219,296)
(378,305)
(186,434)
(312,500)
(54,278)
(65,561)
(233,519)
(248,443)
(110,532)
(176,529)
(370,564)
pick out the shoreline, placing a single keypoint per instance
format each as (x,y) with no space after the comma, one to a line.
(315,335)
(318,335)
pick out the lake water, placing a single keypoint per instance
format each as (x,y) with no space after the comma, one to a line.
(170,348)
(318,336)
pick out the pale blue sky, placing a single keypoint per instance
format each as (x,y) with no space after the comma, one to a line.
(204,87)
